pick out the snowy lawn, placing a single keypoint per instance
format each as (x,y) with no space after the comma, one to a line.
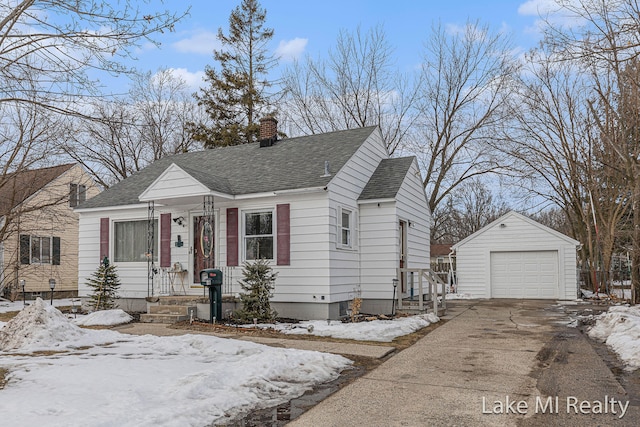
(59,374)
(619,328)
(375,330)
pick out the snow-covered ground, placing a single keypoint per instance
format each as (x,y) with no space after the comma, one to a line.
(619,328)
(62,375)
(375,330)
(59,374)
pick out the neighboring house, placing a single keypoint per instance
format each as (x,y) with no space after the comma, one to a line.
(39,229)
(517,257)
(333,212)
(442,258)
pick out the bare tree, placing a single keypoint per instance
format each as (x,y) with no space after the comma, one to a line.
(467,209)
(47,47)
(467,79)
(606,43)
(129,133)
(356,86)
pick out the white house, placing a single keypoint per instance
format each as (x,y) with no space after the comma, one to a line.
(333,212)
(517,257)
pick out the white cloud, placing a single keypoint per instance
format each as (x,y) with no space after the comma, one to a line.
(193,80)
(201,42)
(288,50)
(538,7)
(550,12)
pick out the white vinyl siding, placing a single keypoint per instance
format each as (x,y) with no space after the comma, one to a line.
(379,236)
(519,234)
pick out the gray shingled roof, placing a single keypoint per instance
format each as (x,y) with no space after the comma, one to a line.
(387,179)
(244,169)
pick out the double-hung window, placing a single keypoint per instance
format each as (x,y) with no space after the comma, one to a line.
(131,241)
(77,194)
(258,235)
(345,228)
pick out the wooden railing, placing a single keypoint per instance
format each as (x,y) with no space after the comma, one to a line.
(427,280)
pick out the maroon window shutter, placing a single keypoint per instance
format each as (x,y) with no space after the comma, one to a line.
(104,238)
(284,240)
(232,237)
(165,240)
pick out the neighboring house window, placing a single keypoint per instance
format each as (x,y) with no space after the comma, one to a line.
(77,194)
(130,239)
(345,225)
(39,250)
(258,235)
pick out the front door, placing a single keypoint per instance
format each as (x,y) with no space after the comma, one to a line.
(403,255)
(203,245)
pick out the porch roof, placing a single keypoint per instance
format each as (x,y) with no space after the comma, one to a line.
(387,179)
(291,163)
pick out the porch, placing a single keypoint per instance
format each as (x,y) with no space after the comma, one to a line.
(425,290)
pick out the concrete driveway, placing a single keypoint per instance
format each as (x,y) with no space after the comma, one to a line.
(494,362)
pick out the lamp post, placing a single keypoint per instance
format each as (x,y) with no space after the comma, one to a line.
(52,285)
(23,283)
(393,300)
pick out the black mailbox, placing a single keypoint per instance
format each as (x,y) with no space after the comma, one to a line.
(212,279)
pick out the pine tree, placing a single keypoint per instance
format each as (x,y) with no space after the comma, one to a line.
(258,284)
(236,94)
(105,284)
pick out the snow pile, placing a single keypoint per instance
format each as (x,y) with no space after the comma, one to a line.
(619,328)
(37,326)
(164,381)
(104,318)
(376,330)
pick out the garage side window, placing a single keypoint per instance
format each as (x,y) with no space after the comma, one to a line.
(258,235)
(130,239)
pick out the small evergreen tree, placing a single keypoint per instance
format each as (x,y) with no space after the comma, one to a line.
(105,284)
(258,284)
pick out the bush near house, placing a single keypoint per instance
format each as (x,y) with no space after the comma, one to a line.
(258,284)
(105,284)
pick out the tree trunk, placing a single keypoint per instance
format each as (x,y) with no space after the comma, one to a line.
(635,250)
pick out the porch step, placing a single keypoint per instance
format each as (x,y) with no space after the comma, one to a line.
(162,318)
(175,310)
(169,312)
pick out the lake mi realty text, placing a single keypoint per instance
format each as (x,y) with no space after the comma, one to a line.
(556,405)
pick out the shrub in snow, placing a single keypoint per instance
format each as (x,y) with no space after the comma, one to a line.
(105,284)
(257,284)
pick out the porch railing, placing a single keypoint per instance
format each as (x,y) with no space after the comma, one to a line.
(428,284)
(178,282)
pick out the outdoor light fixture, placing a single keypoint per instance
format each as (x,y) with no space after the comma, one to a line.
(52,285)
(23,283)
(503,225)
(179,220)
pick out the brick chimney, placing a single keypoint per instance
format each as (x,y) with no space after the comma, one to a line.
(268,131)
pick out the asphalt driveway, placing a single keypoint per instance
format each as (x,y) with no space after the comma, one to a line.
(494,362)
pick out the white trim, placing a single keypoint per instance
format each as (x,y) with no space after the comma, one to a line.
(373,201)
(519,216)
(274,231)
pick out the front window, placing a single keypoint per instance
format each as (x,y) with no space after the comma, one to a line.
(258,235)
(345,227)
(131,241)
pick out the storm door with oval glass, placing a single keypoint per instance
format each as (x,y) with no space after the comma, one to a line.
(203,245)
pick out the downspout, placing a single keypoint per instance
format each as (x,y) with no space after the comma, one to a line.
(452,273)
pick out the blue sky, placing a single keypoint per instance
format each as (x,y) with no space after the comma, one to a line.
(311,28)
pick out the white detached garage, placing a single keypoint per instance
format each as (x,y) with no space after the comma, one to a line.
(517,257)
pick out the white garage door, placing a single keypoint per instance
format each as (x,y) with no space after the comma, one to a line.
(524,274)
